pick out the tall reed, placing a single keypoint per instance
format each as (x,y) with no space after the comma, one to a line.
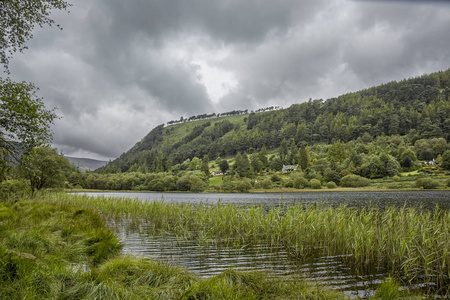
(410,243)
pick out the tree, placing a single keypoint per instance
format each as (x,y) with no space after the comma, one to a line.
(263,157)
(446,160)
(337,152)
(24,121)
(224,166)
(205,166)
(283,150)
(276,163)
(304,157)
(17,21)
(23,118)
(45,168)
(256,163)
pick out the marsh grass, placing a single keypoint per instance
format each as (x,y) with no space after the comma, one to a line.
(42,246)
(409,243)
(233,284)
(50,251)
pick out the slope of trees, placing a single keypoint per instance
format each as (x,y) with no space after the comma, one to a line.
(416,109)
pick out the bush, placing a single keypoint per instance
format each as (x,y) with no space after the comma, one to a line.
(448,182)
(266,184)
(300,182)
(243,185)
(354,181)
(289,183)
(331,185)
(315,184)
(427,183)
(275,178)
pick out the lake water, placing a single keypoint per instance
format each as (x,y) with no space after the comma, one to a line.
(381,199)
(210,259)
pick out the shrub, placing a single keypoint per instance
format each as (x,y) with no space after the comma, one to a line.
(289,183)
(427,183)
(331,185)
(243,185)
(354,181)
(266,184)
(275,178)
(300,182)
(315,184)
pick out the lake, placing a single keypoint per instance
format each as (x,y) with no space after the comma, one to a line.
(209,259)
(380,199)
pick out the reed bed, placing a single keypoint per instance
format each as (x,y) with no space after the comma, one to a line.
(50,251)
(410,243)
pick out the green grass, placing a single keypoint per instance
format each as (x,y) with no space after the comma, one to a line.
(213,181)
(409,243)
(51,249)
(42,246)
(412,173)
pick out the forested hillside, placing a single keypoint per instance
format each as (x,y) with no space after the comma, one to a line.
(415,109)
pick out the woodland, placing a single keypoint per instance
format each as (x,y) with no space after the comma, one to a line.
(367,136)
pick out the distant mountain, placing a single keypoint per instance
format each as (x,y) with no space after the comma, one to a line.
(86,164)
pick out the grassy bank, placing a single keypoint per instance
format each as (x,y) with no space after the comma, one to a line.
(63,251)
(410,244)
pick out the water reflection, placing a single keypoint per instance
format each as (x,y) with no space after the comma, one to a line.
(210,257)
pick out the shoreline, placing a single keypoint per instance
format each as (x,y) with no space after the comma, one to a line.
(259,191)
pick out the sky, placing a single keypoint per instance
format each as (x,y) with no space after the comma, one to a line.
(120,68)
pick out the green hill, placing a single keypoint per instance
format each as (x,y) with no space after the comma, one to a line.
(416,108)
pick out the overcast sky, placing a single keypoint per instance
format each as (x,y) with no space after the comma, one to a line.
(120,68)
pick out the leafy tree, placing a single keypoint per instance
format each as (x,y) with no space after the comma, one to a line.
(45,168)
(256,163)
(24,121)
(224,166)
(424,149)
(263,157)
(241,165)
(195,164)
(23,118)
(283,150)
(18,19)
(446,160)
(292,157)
(276,163)
(407,162)
(205,167)
(304,157)
(337,152)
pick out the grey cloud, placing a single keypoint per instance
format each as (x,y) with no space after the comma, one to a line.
(119,68)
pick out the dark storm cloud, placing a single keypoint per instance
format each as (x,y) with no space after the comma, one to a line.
(119,68)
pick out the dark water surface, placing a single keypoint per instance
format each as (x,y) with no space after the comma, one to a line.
(206,258)
(381,199)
